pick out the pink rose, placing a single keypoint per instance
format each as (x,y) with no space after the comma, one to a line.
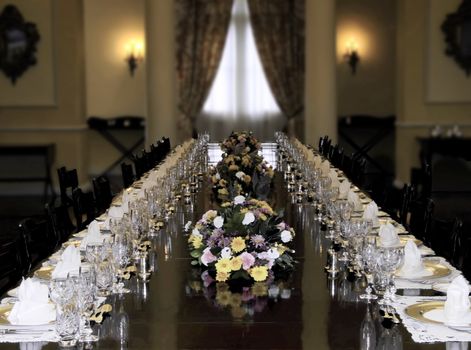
(207,257)
(247,260)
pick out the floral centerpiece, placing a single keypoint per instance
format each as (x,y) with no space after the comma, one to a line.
(242,170)
(245,239)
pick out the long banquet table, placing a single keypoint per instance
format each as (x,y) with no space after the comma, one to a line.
(311,312)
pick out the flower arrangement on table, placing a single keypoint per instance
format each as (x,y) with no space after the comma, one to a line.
(242,302)
(245,240)
(242,170)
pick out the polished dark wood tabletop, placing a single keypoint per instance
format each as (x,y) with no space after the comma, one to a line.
(307,311)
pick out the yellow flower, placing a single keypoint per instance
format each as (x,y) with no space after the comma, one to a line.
(247,179)
(244,210)
(281,248)
(262,217)
(236,263)
(246,161)
(226,204)
(233,167)
(223,265)
(222,276)
(222,183)
(259,289)
(196,241)
(214,179)
(259,273)
(238,244)
(223,191)
(223,298)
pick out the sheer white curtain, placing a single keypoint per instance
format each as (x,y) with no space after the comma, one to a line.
(240,98)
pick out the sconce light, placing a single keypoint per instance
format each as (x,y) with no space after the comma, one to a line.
(134,55)
(351,56)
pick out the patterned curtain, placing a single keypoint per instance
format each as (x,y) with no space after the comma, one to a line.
(201,30)
(278,27)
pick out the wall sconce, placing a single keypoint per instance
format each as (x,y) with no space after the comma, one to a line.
(134,55)
(351,56)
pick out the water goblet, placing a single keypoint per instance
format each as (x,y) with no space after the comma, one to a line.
(389,258)
(104,278)
(369,264)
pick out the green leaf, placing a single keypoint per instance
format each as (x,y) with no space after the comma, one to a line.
(194,262)
(196,253)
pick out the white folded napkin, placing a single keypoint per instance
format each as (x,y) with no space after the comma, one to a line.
(69,261)
(94,235)
(125,199)
(457,301)
(33,306)
(113,213)
(388,236)
(334,178)
(325,168)
(355,200)
(412,265)
(344,188)
(371,213)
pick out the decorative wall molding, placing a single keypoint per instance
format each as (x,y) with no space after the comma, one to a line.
(73,128)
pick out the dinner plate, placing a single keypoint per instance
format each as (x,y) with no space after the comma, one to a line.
(13,292)
(404,239)
(44,272)
(434,270)
(432,312)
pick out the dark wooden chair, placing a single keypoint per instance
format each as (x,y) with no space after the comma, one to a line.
(39,239)
(11,264)
(103,195)
(127,174)
(84,208)
(60,222)
(68,181)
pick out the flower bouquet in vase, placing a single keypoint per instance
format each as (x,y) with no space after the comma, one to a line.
(244,240)
(242,171)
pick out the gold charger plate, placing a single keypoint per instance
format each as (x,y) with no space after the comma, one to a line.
(417,311)
(4,313)
(74,242)
(44,272)
(404,240)
(438,270)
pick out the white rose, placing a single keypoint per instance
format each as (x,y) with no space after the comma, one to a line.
(273,254)
(196,233)
(239,174)
(273,292)
(239,200)
(218,176)
(248,218)
(187,226)
(286,236)
(218,221)
(226,253)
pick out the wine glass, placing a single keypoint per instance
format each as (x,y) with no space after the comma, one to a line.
(86,293)
(104,278)
(121,257)
(369,264)
(389,259)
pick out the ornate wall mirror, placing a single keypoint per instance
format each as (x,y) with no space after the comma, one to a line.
(18,40)
(457,30)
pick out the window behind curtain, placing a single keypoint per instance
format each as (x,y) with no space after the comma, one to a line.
(240,97)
